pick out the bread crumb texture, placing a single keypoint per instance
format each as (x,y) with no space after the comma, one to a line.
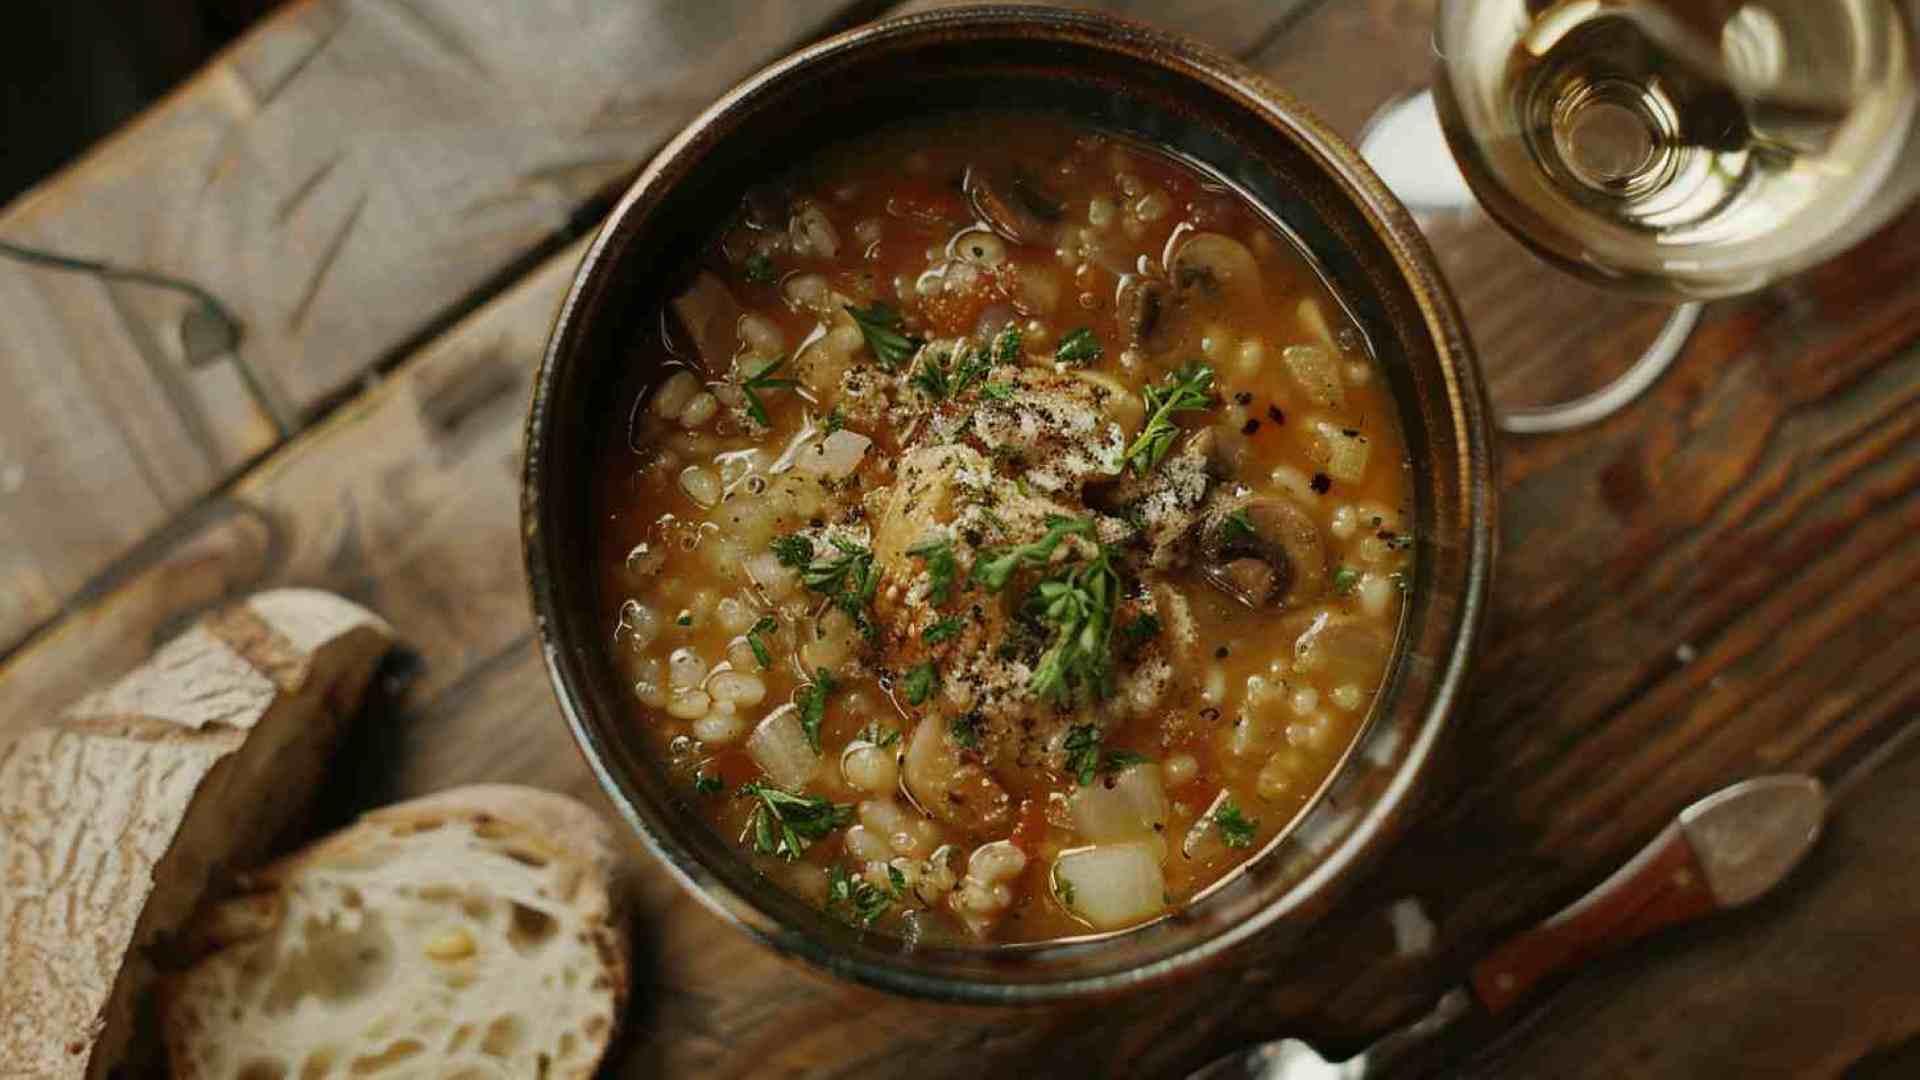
(468,934)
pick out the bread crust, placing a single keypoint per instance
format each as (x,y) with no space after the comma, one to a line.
(115,815)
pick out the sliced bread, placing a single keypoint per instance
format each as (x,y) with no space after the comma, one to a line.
(467,934)
(114,816)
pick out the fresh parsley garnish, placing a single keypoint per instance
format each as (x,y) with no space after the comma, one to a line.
(785,824)
(1188,390)
(997,391)
(859,899)
(760,270)
(812,699)
(849,579)
(707,783)
(1064,890)
(1345,580)
(1079,347)
(684,619)
(996,565)
(1237,528)
(919,684)
(940,377)
(1087,758)
(878,735)
(943,630)
(1006,347)
(1236,830)
(760,653)
(966,730)
(1078,604)
(942,570)
(880,326)
(835,421)
(793,550)
(764,380)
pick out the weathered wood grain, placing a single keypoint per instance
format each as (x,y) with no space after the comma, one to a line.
(1718,582)
(344,179)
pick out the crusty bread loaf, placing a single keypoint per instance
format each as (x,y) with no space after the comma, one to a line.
(114,817)
(466,934)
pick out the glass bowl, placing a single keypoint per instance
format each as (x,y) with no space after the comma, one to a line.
(1108,74)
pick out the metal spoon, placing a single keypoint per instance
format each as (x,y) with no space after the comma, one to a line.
(1721,852)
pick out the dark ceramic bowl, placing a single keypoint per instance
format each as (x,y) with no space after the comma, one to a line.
(1113,75)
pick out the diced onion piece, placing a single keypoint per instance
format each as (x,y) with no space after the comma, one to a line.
(1203,839)
(1346,454)
(1314,322)
(1313,368)
(711,316)
(1110,885)
(834,457)
(779,746)
(1126,806)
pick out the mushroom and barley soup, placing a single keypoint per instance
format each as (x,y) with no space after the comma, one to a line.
(1011,537)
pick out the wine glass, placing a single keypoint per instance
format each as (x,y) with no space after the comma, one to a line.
(1676,150)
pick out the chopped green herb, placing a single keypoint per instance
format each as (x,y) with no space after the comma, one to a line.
(943,630)
(835,421)
(1345,580)
(1086,758)
(942,570)
(1188,390)
(997,391)
(860,900)
(764,380)
(760,270)
(707,783)
(793,550)
(880,326)
(1135,635)
(1006,347)
(785,824)
(848,579)
(760,653)
(1079,347)
(685,619)
(1236,831)
(919,683)
(812,699)
(940,377)
(966,730)
(996,565)
(1064,890)
(1078,604)
(1237,528)
(879,735)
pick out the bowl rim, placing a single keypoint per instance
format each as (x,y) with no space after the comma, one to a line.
(1158,51)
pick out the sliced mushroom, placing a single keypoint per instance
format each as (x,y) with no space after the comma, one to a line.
(1139,304)
(1015,205)
(961,793)
(1264,551)
(1209,265)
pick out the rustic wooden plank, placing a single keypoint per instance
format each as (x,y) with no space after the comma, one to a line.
(1758,509)
(347,175)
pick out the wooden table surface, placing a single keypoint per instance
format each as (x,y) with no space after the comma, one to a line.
(1722,581)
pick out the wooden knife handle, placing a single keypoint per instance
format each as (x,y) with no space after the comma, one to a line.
(1661,886)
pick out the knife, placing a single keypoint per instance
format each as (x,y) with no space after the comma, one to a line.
(1723,851)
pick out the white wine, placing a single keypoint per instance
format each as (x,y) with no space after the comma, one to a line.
(1683,148)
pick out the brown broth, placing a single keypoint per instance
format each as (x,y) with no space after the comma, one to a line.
(1258,702)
